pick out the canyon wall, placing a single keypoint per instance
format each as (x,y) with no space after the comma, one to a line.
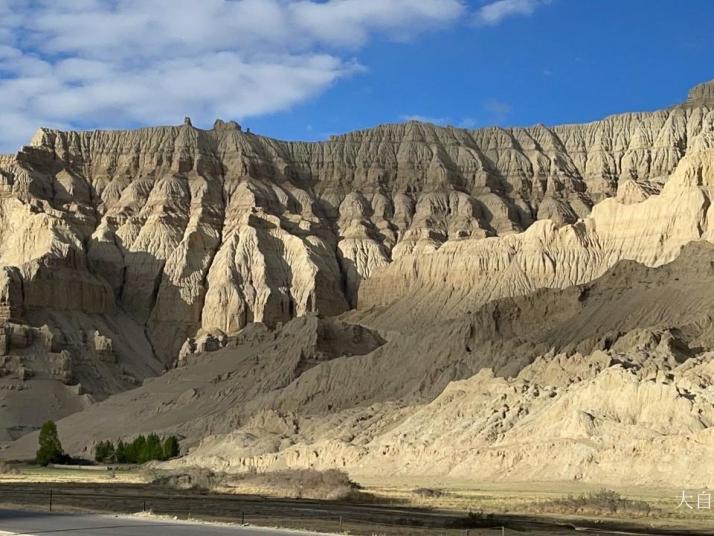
(160,239)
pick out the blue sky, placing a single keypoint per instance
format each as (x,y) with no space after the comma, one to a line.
(306,69)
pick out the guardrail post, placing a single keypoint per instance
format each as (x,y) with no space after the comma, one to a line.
(50,499)
(242,518)
(340,523)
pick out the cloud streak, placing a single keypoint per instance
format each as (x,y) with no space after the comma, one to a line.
(497,110)
(89,63)
(464,122)
(426,119)
(496,12)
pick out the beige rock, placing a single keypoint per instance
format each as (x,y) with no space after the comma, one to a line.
(701,94)
(11,298)
(632,191)
(19,336)
(153,241)
(60,366)
(103,347)
(24,373)
(189,229)
(461,275)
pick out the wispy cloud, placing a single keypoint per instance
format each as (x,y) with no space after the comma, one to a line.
(94,63)
(425,119)
(464,122)
(498,110)
(467,122)
(494,13)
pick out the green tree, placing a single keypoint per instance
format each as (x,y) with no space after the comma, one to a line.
(141,450)
(120,452)
(129,452)
(171,447)
(104,451)
(100,451)
(50,450)
(135,451)
(153,449)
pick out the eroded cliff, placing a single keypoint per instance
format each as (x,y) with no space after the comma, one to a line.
(135,247)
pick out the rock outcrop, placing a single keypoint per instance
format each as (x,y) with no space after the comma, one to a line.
(185,229)
(636,225)
(701,94)
(486,396)
(140,247)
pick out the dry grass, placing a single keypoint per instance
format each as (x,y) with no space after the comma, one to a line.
(23,472)
(548,499)
(597,503)
(304,484)
(295,484)
(429,493)
(7,469)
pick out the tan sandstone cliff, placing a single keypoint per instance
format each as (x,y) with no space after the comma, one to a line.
(135,247)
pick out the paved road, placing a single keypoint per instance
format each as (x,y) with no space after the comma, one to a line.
(22,522)
(364,519)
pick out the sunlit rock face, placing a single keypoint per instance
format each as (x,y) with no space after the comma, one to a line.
(445,251)
(158,236)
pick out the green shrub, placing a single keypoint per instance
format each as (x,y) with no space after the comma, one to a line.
(430,493)
(50,450)
(331,484)
(603,501)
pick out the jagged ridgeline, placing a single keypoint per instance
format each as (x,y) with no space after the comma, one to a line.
(122,251)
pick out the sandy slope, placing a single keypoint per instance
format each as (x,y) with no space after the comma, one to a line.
(272,400)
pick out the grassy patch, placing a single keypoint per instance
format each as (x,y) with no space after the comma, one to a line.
(26,472)
(601,502)
(429,493)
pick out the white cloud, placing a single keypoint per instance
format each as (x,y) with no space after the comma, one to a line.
(425,119)
(348,22)
(498,110)
(495,12)
(107,64)
(465,122)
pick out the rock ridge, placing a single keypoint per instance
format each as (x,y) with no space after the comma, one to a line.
(162,237)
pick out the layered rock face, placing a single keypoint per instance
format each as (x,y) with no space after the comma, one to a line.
(641,224)
(614,376)
(473,352)
(558,420)
(701,94)
(171,238)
